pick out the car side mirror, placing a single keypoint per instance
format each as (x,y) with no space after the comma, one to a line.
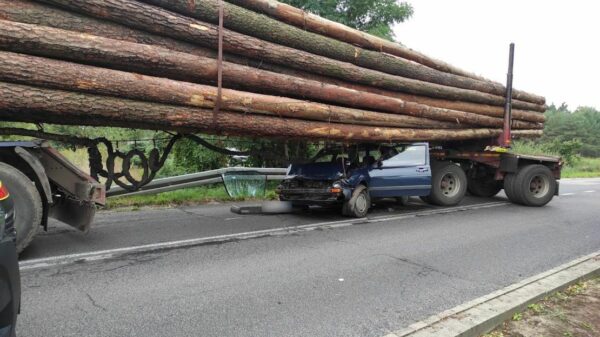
(379,163)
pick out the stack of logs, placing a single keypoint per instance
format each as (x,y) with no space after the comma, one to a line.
(153,64)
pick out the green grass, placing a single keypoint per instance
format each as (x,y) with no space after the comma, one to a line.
(532,148)
(583,168)
(188,196)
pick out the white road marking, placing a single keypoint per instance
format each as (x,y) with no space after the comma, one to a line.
(62,260)
(580,181)
(565,194)
(590,191)
(229,219)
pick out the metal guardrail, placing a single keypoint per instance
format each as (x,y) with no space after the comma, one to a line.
(194,180)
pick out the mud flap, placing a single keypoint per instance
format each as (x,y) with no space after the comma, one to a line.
(74,213)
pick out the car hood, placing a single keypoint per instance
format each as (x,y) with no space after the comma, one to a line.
(316,171)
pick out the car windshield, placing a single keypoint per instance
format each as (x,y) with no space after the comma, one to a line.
(366,154)
(330,155)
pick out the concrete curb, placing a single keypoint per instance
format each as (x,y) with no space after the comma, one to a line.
(477,317)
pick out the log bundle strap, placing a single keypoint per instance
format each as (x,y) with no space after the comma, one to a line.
(248,68)
(219,98)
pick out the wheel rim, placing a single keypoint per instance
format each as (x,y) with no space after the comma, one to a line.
(361,203)
(539,185)
(450,185)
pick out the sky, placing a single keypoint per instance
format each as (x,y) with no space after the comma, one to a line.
(557,51)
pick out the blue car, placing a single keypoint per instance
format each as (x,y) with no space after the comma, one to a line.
(353,176)
(10,282)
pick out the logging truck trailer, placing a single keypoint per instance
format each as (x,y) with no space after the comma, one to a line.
(356,176)
(441,174)
(45,184)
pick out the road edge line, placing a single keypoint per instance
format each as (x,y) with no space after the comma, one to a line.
(62,260)
(479,316)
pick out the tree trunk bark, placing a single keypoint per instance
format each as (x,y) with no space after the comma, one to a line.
(30,104)
(43,72)
(26,11)
(160,21)
(248,22)
(529,112)
(319,25)
(89,49)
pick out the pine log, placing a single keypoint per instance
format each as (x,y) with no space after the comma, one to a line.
(31,104)
(43,72)
(338,31)
(26,11)
(263,27)
(153,60)
(163,22)
(536,114)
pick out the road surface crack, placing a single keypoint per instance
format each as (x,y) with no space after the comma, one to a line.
(94,302)
(426,269)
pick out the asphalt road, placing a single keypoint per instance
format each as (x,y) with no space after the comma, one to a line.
(355,279)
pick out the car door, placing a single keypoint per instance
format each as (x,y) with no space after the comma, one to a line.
(405,173)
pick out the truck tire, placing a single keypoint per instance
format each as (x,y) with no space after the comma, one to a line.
(534,185)
(509,189)
(485,187)
(448,184)
(28,204)
(359,204)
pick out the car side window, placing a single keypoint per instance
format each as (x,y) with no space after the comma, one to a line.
(409,156)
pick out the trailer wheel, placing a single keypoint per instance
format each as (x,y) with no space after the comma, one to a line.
(448,184)
(535,185)
(359,204)
(485,187)
(509,189)
(28,204)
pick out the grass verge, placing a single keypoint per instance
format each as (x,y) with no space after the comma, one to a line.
(580,167)
(583,168)
(569,313)
(188,196)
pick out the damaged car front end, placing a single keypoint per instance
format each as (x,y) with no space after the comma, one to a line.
(324,181)
(308,190)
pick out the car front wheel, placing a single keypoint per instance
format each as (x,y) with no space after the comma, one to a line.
(359,204)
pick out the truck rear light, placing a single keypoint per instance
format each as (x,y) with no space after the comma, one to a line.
(3,192)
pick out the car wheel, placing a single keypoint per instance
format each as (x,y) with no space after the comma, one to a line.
(359,204)
(27,201)
(535,185)
(448,184)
